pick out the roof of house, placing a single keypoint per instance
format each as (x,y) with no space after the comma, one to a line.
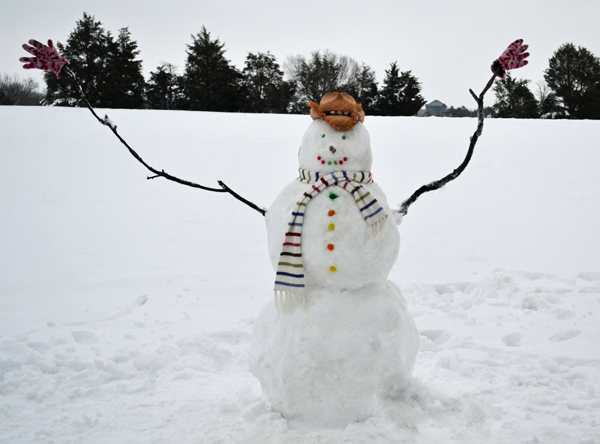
(436,103)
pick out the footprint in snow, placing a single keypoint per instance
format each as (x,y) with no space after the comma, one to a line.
(513,340)
(85,337)
(564,335)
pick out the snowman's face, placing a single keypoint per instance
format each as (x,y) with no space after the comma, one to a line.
(325,150)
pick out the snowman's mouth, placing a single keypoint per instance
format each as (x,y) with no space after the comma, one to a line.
(332,161)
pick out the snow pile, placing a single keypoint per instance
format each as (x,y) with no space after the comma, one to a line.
(128,306)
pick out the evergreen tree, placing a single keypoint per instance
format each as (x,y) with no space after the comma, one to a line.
(164,90)
(400,94)
(210,82)
(363,88)
(266,90)
(514,99)
(87,51)
(574,76)
(106,68)
(123,86)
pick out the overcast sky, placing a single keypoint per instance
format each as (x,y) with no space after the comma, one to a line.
(448,45)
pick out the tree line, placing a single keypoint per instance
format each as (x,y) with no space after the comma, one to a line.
(110,72)
(571,89)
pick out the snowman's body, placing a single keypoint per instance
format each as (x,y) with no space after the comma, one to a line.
(329,360)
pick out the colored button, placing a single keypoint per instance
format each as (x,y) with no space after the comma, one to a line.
(333,196)
(333,269)
(331,227)
(330,247)
(331,213)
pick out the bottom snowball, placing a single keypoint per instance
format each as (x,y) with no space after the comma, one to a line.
(328,362)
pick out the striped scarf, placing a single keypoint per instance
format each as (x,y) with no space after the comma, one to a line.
(289,281)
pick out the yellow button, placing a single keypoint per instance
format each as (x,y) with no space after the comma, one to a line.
(333,269)
(331,227)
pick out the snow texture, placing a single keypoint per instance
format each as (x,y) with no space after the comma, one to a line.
(128,306)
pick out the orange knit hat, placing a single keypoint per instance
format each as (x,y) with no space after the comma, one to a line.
(339,110)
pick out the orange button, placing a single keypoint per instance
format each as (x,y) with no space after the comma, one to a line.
(331,212)
(330,247)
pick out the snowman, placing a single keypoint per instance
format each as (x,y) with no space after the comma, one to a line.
(337,336)
(338,333)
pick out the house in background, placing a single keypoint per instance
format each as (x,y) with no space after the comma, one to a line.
(435,108)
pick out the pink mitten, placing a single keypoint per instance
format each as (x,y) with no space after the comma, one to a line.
(45,57)
(513,57)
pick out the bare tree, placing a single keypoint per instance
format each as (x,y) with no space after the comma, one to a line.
(548,103)
(542,90)
(17,91)
(323,73)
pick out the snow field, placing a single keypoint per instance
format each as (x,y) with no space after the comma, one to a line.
(127,306)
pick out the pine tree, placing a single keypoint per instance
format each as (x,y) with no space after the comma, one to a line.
(514,99)
(106,68)
(574,76)
(266,90)
(400,94)
(123,86)
(164,89)
(364,88)
(87,51)
(210,82)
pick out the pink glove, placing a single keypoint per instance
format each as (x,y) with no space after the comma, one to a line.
(45,57)
(513,57)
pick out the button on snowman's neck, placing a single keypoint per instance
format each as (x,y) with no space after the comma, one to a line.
(326,150)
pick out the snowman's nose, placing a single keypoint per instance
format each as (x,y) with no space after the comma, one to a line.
(332,149)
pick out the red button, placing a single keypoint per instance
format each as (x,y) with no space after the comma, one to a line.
(331,213)
(330,247)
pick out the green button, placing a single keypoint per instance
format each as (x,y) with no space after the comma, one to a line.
(333,196)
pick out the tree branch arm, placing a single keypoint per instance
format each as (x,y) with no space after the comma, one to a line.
(403,210)
(107,122)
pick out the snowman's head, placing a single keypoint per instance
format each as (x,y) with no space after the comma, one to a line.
(326,150)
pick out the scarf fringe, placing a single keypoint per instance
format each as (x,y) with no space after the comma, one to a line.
(376,228)
(288,301)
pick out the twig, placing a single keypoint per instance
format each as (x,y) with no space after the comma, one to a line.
(454,174)
(106,121)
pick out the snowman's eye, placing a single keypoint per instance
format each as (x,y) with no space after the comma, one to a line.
(323,136)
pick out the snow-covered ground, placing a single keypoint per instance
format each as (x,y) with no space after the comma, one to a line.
(127,306)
